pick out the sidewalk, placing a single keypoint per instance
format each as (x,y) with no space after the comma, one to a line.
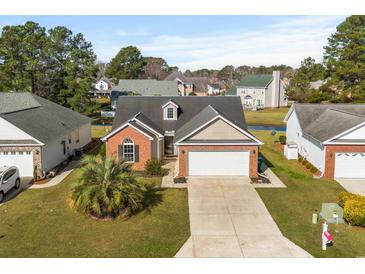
(58,178)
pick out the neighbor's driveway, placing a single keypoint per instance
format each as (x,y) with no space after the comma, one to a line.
(229,219)
(356,186)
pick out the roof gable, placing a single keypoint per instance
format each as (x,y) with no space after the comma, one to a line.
(325,121)
(46,122)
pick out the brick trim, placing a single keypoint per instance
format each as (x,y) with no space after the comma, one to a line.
(330,156)
(184,149)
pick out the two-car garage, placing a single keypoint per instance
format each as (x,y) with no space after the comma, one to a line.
(350,165)
(218,163)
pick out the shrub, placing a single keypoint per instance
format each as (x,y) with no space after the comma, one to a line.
(106,189)
(300,159)
(313,169)
(305,162)
(102,150)
(344,196)
(354,212)
(282,139)
(153,167)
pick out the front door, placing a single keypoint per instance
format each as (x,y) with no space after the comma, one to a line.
(169,145)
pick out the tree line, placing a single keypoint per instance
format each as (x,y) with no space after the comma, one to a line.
(342,70)
(61,66)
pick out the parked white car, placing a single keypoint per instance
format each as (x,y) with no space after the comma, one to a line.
(9,179)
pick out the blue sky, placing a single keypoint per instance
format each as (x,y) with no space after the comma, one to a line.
(193,42)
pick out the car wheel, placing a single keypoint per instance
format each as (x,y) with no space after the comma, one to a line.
(2,197)
(17,184)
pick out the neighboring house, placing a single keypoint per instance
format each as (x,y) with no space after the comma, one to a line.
(144,88)
(200,85)
(330,136)
(102,88)
(184,85)
(208,135)
(115,95)
(214,89)
(36,134)
(261,91)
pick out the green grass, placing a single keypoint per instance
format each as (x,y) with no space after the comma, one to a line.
(99,131)
(39,223)
(293,206)
(272,117)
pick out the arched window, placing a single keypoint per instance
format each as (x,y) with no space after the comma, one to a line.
(128,150)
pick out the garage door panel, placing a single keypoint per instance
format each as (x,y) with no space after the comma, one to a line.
(22,160)
(224,163)
(350,165)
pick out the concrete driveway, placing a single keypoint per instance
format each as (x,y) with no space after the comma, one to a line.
(24,184)
(229,219)
(356,186)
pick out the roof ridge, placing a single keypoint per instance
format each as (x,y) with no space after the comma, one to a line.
(346,112)
(214,109)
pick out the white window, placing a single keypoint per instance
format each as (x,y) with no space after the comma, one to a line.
(20,152)
(170,113)
(13,153)
(128,150)
(28,152)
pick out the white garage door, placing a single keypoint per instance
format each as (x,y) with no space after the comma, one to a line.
(22,160)
(218,163)
(350,165)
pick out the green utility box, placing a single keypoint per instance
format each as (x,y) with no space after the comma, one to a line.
(332,213)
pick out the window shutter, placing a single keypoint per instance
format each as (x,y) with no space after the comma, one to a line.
(136,153)
(120,152)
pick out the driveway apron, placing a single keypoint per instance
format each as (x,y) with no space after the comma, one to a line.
(229,219)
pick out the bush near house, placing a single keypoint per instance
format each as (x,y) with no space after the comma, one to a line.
(308,165)
(282,139)
(153,167)
(354,212)
(353,207)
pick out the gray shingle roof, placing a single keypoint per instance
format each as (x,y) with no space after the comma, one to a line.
(148,87)
(45,122)
(255,80)
(14,101)
(177,75)
(229,107)
(216,86)
(18,142)
(325,121)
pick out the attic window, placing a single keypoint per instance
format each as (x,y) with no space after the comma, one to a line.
(170,113)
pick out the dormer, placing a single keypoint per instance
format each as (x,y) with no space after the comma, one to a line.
(170,110)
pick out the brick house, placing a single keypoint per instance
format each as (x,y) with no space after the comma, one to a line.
(36,134)
(207,135)
(330,136)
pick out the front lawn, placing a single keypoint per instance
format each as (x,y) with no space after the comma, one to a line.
(39,223)
(292,207)
(99,131)
(270,117)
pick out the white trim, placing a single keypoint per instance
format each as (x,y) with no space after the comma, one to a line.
(227,121)
(217,144)
(170,102)
(21,145)
(120,128)
(134,149)
(343,133)
(287,116)
(147,127)
(346,143)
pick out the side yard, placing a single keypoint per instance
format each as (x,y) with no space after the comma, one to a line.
(39,223)
(271,117)
(293,206)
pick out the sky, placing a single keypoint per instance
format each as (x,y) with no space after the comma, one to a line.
(194,42)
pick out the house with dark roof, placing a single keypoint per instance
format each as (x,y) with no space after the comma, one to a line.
(261,91)
(36,134)
(184,85)
(330,136)
(207,135)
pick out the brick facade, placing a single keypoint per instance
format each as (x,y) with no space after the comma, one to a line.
(330,155)
(143,142)
(37,156)
(183,152)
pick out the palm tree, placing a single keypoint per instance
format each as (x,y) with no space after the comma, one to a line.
(107,188)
